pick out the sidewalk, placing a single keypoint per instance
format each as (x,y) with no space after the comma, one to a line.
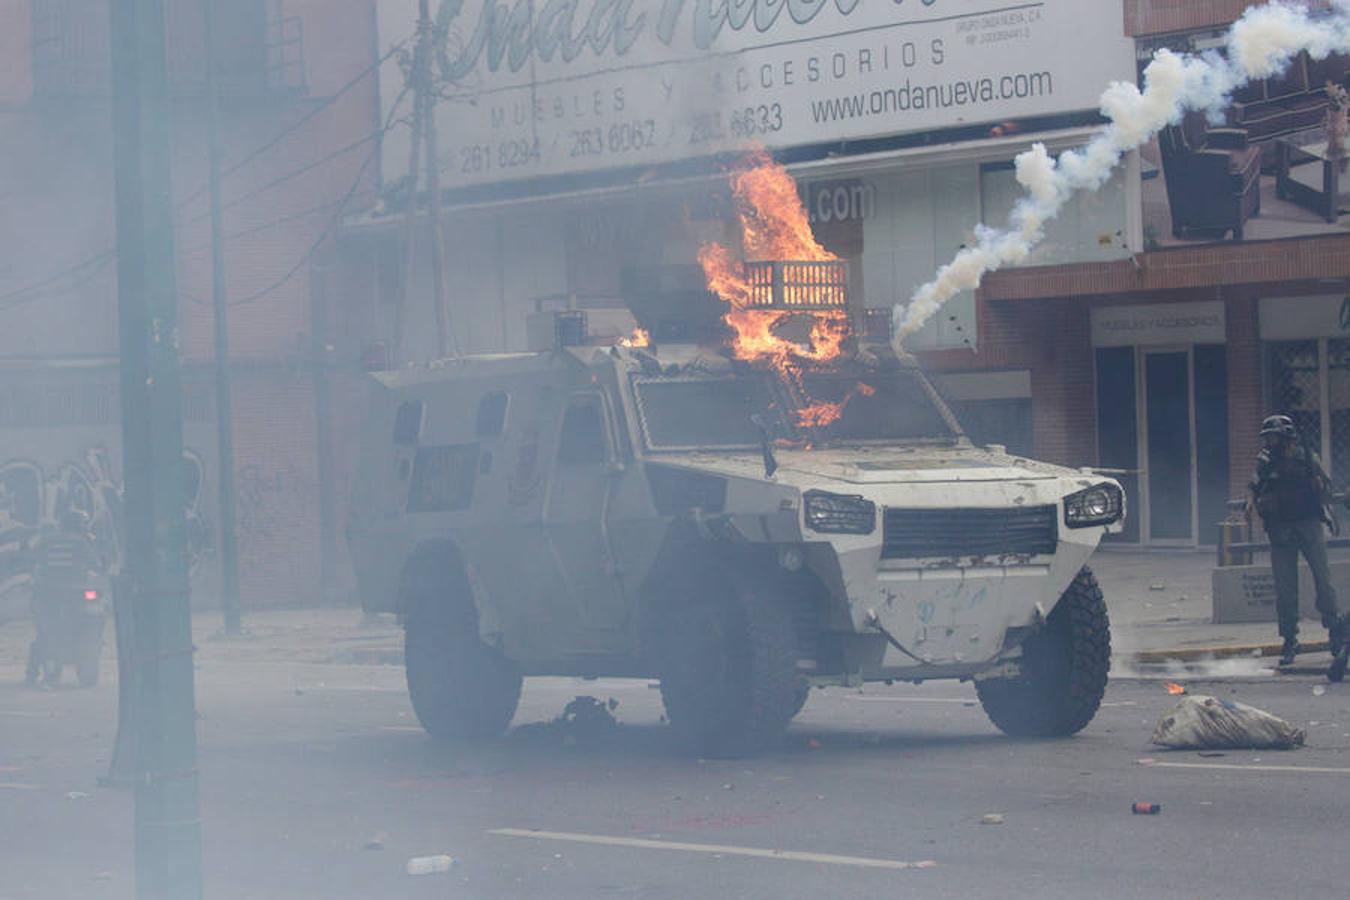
(1159,603)
(1160,607)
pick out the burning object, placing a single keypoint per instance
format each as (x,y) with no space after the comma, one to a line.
(785,274)
(787,300)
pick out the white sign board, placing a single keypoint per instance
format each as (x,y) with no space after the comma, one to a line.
(1159,324)
(1298,318)
(548,87)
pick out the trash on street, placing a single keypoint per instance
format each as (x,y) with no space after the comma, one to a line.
(1199,722)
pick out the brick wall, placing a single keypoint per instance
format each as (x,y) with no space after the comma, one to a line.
(277,489)
(1149,17)
(1246,407)
(16,60)
(56,179)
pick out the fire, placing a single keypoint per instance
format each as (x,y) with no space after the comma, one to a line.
(774,226)
(638,339)
(818,415)
(1174,688)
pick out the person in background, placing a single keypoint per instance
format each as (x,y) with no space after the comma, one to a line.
(1291,492)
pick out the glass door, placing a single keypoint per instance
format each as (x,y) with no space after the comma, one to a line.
(1169,447)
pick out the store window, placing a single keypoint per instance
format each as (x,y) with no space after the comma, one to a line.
(1309,381)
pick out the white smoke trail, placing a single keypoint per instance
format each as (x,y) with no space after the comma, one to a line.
(1260,44)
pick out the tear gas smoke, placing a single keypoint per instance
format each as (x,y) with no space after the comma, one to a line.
(1260,44)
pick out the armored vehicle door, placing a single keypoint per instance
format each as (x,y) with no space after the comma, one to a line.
(584,479)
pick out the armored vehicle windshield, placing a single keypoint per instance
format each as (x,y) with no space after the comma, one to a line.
(692,412)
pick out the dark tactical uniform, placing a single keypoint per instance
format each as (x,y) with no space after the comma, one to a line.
(1291,491)
(62,564)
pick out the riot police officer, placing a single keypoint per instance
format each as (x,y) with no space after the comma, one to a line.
(1291,492)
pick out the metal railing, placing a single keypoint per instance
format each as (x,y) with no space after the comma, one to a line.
(1235,544)
(798,284)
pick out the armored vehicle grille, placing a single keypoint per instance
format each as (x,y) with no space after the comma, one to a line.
(951,533)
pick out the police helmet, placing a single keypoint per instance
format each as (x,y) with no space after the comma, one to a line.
(1282,426)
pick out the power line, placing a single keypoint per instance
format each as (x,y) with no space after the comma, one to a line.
(40,290)
(36,287)
(318,242)
(303,120)
(19,296)
(336,217)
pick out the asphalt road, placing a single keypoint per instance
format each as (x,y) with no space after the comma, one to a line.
(317,783)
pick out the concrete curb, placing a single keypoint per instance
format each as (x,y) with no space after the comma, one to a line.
(1222,651)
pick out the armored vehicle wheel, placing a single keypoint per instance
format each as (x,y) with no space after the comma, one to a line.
(1064,669)
(460,688)
(729,675)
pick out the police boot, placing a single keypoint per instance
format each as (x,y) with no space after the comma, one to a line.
(1341,647)
(1336,630)
(1289,651)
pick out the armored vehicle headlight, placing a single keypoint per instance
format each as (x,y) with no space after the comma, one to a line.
(1099,505)
(839,513)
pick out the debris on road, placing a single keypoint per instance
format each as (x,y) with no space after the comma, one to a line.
(992,819)
(77,795)
(375,843)
(587,717)
(1157,587)
(431,865)
(1199,722)
(1174,688)
(1319,690)
(1146,809)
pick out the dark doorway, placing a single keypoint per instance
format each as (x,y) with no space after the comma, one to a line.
(1170,462)
(1118,431)
(1211,438)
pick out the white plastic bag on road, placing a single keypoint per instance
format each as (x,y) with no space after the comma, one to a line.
(1198,722)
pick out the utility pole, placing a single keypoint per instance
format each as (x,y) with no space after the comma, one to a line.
(229,543)
(416,75)
(168,832)
(426,86)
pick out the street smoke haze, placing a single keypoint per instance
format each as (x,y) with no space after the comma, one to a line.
(1260,44)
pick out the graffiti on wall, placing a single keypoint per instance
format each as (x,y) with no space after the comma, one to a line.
(269,502)
(34,498)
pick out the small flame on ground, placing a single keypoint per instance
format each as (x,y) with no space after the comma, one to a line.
(638,339)
(1174,688)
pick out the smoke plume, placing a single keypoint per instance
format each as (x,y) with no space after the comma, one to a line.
(1260,44)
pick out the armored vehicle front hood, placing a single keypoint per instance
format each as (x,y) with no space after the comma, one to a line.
(875,465)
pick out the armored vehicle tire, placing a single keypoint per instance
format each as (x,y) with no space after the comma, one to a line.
(729,676)
(460,688)
(1064,668)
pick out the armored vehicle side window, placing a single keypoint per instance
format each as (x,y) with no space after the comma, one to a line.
(443,478)
(491,414)
(408,422)
(583,433)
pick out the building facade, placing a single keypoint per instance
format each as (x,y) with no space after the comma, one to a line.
(299,135)
(590,163)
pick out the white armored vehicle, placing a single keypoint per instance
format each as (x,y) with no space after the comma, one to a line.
(662,513)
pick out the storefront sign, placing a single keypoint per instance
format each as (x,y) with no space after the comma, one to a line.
(544,87)
(1159,324)
(1297,318)
(840,201)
